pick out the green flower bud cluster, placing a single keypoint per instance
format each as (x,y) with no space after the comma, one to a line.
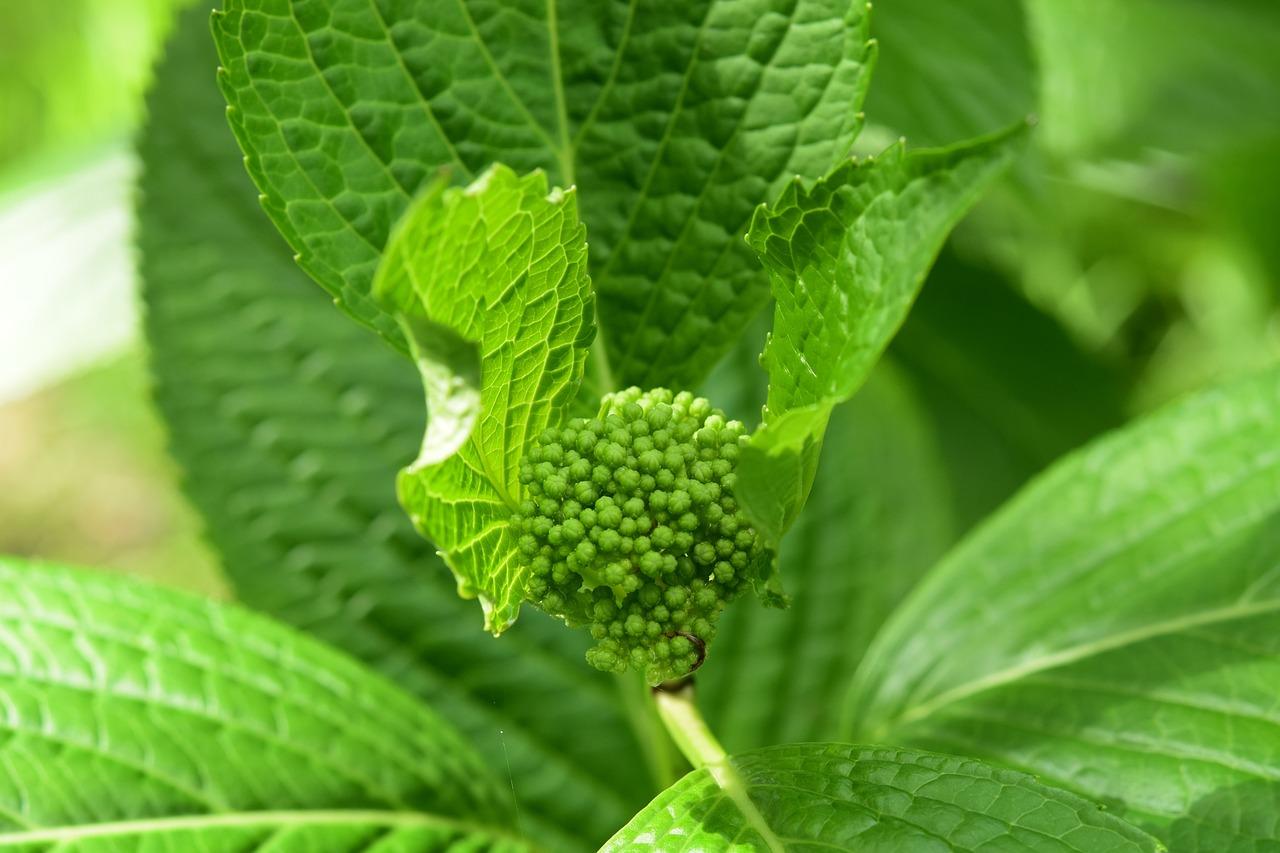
(629,527)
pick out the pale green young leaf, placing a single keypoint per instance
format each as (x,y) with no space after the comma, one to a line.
(124,702)
(1114,628)
(289,422)
(846,258)
(490,285)
(674,119)
(839,797)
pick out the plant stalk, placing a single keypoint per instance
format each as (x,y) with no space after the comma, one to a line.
(680,714)
(693,736)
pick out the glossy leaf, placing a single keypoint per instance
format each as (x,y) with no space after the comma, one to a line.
(837,797)
(490,285)
(846,258)
(674,119)
(126,702)
(289,422)
(1114,628)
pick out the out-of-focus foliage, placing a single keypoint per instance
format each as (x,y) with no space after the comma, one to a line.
(1141,221)
(71,78)
(72,71)
(86,481)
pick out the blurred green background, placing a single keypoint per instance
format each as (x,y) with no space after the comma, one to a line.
(83,472)
(1143,224)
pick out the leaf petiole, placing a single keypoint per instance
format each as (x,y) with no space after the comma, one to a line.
(680,714)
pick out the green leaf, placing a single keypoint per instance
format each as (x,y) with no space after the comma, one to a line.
(126,702)
(279,832)
(878,518)
(838,797)
(674,119)
(1007,390)
(1114,628)
(289,422)
(490,285)
(846,258)
(952,71)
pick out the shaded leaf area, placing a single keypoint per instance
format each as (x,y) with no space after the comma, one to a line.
(1113,629)
(948,72)
(833,796)
(490,285)
(289,422)
(270,832)
(879,516)
(126,702)
(1006,388)
(979,392)
(674,119)
(846,258)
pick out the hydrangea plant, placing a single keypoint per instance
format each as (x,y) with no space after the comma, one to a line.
(617,272)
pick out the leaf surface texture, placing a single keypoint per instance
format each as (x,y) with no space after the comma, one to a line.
(846,258)
(1113,629)
(125,702)
(832,796)
(673,119)
(289,423)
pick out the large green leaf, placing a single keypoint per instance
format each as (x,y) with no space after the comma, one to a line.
(125,703)
(837,797)
(674,119)
(1114,629)
(878,518)
(846,258)
(290,423)
(490,285)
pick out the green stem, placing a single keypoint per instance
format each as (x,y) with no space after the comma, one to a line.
(688,729)
(691,733)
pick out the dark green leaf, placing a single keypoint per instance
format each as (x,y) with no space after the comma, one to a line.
(674,119)
(290,422)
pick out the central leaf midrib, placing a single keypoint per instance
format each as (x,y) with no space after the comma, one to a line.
(1084,650)
(1074,654)
(278,819)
